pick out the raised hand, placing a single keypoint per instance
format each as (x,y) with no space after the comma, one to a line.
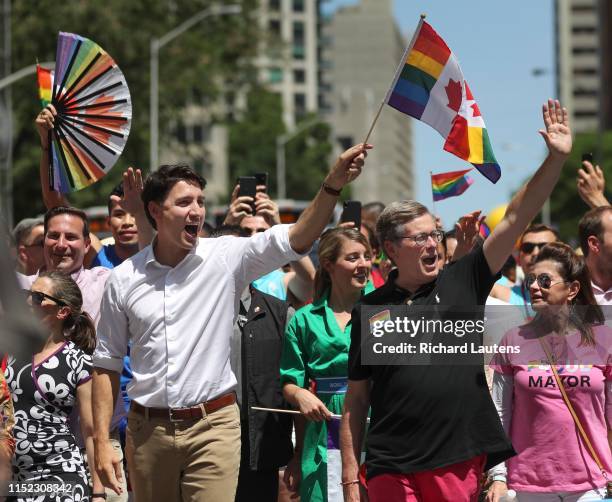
(239,208)
(591,185)
(557,133)
(467,231)
(348,166)
(44,123)
(266,207)
(132,191)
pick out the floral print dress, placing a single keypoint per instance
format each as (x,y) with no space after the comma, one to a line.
(45,449)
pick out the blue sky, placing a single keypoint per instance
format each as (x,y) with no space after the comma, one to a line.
(498,45)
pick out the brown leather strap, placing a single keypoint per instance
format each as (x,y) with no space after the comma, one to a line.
(191,413)
(568,403)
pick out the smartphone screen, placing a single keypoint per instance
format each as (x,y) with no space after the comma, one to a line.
(248,187)
(588,157)
(352,212)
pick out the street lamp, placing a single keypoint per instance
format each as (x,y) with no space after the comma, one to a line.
(156,45)
(281,141)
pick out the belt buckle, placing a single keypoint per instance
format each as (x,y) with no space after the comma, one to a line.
(171,416)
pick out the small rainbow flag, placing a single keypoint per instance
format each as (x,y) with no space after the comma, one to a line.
(452,184)
(45,83)
(429,86)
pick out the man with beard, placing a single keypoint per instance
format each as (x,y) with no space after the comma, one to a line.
(595,231)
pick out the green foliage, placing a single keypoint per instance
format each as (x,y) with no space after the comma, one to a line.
(252,139)
(253,146)
(308,161)
(566,205)
(218,50)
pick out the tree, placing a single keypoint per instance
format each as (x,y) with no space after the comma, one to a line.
(566,205)
(308,161)
(205,61)
(252,138)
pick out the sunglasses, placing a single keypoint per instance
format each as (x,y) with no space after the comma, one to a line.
(528,247)
(543,280)
(38,297)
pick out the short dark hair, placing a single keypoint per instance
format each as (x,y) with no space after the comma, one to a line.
(118,191)
(160,182)
(235,230)
(56,211)
(24,228)
(590,224)
(536,228)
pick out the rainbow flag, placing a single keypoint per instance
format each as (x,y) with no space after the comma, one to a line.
(430,87)
(452,184)
(45,83)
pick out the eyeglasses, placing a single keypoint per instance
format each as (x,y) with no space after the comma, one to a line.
(528,247)
(38,297)
(543,280)
(421,239)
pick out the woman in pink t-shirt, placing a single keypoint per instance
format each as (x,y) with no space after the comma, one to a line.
(553,461)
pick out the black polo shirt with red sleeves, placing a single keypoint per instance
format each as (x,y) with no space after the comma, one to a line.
(426,417)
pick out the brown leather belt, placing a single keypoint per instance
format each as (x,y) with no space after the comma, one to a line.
(193,413)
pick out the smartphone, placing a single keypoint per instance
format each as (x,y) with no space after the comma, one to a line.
(262,179)
(352,212)
(588,157)
(248,187)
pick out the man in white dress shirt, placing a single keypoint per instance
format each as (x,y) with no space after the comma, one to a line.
(176,302)
(595,231)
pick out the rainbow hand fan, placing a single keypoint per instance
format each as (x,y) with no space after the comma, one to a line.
(94,113)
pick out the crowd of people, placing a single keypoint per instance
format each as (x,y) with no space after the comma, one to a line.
(164,342)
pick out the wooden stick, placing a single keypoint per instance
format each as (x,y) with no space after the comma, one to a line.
(398,71)
(293,412)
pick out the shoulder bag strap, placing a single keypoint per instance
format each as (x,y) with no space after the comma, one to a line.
(568,403)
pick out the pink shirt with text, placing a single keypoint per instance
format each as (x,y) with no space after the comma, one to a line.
(552,455)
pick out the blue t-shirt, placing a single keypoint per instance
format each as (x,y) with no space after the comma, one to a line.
(106,257)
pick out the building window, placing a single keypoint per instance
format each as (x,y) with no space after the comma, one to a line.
(298,33)
(584,50)
(298,5)
(585,71)
(579,93)
(198,133)
(274,28)
(584,30)
(585,114)
(299,76)
(275,75)
(299,103)
(298,51)
(274,4)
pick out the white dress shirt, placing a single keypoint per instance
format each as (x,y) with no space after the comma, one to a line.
(602,297)
(180,320)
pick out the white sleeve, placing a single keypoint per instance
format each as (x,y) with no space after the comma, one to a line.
(261,254)
(503,390)
(113,331)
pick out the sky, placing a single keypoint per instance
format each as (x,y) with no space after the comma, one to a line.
(498,45)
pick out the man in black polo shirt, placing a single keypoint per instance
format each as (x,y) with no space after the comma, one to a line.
(434,427)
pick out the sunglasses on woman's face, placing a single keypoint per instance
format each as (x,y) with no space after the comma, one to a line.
(38,297)
(543,280)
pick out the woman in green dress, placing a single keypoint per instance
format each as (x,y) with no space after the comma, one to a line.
(315,352)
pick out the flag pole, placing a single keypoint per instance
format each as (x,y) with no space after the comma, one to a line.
(398,72)
(433,197)
(292,412)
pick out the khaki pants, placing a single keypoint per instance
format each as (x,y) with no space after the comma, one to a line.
(187,460)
